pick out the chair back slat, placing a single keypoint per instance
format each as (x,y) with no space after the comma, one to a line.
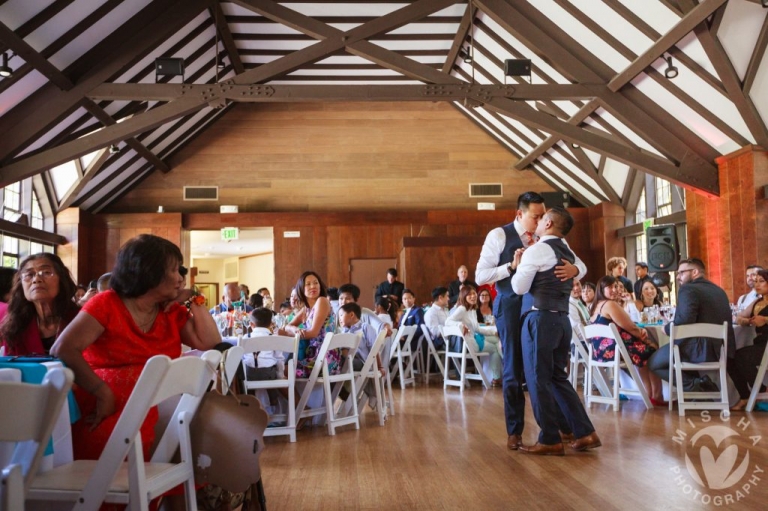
(269,343)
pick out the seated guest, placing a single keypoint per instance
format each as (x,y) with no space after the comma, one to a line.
(627,302)
(588,294)
(333,297)
(268,364)
(351,293)
(649,296)
(482,338)
(80,290)
(102,284)
(386,311)
(578,313)
(311,324)
(349,318)
(436,315)
(454,288)
(113,336)
(616,267)
(413,315)
(256,301)
(296,305)
(485,308)
(641,272)
(245,291)
(286,309)
(390,287)
(232,299)
(752,295)
(748,358)
(264,292)
(607,310)
(698,301)
(40,307)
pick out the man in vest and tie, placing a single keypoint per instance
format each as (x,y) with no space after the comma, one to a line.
(497,264)
(546,337)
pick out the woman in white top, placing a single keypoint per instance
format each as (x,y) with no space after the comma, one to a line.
(465,316)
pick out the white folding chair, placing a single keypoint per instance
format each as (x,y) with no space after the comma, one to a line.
(109,479)
(401,348)
(346,373)
(26,424)
(432,352)
(621,360)
(285,344)
(579,357)
(467,351)
(756,394)
(370,370)
(386,353)
(320,374)
(677,366)
(232,361)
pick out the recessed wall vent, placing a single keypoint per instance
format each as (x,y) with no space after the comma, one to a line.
(201,193)
(485,190)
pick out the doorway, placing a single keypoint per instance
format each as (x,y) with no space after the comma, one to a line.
(367,274)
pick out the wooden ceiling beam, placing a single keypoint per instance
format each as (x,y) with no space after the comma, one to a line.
(111,134)
(21,48)
(453,89)
(461,35)
(757,57)
(689,173)
(131,142)
(716,53)
(29,119)
(589,169)
(39,19)
(98,162)
(226,36)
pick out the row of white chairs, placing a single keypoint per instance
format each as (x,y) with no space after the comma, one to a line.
(599,374)
(87,484)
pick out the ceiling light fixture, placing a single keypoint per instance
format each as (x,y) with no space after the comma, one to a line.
(671,71)
(113,149)
(5,69)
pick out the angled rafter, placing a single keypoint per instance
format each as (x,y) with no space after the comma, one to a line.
(461,36)
(226,36)
(757,57)
(730,78)
(134,144)
(39,19)
(31,56)
(93,168)
(150,27)
(589,169)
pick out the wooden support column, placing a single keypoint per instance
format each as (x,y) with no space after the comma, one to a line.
(728,233)
(79,229)
(605,220)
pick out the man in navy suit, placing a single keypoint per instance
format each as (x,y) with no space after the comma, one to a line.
(497,264)
(698,301)
(413,315)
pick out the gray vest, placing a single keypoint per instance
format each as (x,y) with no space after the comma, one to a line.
(548,291)
(511,243)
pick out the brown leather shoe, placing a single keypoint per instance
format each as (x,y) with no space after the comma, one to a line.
(590,441)
(514,442)
(567,438)
(543,449)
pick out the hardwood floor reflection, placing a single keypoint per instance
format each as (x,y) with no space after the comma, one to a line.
(443,451)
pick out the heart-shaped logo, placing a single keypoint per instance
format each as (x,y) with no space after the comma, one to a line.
(718,467)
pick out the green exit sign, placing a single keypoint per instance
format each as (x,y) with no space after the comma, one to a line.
(230,233)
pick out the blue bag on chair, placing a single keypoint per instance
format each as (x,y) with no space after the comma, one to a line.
(480,340)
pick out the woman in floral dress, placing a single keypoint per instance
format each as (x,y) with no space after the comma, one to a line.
(606,310)
(312,323)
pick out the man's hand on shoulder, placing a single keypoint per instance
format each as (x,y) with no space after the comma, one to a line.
(566,271)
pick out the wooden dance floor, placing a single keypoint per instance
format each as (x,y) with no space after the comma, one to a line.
(443,451)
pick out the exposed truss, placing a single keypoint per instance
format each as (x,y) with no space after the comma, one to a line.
(589,124)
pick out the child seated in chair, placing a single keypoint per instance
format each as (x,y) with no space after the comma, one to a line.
(349,317)
(266,365)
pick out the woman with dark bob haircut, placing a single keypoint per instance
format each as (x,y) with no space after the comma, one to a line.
(318,318)
(40,306)
(118,330)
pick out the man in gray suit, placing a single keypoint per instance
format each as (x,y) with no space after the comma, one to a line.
(698,301)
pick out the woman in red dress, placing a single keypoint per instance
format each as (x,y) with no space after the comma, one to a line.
(117,331)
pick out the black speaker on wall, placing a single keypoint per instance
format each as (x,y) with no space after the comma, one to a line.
(557,199)
(663,250)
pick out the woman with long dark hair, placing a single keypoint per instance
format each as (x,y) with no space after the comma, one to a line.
(40,306)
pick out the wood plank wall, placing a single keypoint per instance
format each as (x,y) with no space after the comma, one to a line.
(336,157)
(329,240)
